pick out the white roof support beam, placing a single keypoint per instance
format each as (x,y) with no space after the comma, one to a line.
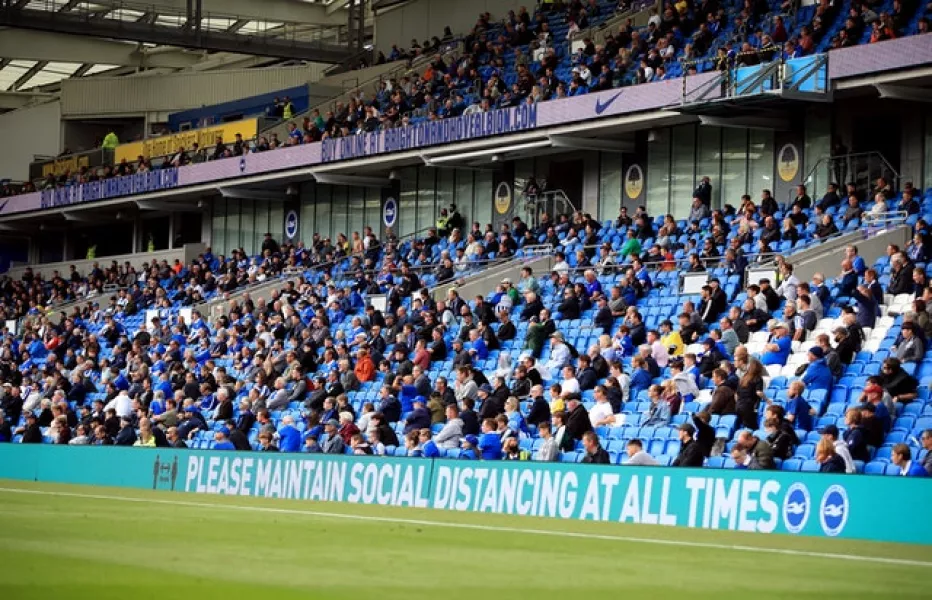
(580,143)
(767,123)
(292,11)
(902,92)
(25,44)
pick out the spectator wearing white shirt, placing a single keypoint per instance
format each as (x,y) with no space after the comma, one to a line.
(560,266)
(788,287)
(122,404)
(559,355)
(601,414)
(569,385)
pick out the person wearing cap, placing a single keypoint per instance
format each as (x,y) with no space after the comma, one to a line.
(559,355)
(830,433)
(470,446)
(222,439)
(901,456)
(818,375)
(690,454)
(31,432)
(334,443)
(419,417)
(778,350)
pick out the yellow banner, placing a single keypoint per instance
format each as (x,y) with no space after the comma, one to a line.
(169,144)
(60,166)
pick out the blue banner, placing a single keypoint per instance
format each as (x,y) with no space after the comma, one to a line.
(139,183)
(810,504)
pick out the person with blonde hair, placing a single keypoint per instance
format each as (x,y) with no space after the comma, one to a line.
(145,438)
(829,460)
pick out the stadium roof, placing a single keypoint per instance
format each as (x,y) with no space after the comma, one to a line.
(29,62)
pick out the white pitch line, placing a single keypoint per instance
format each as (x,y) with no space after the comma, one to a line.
(492,528)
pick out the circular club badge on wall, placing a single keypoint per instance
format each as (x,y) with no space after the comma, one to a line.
(291,224)
(503,198)
(390,212)
(634,181)
(788,162)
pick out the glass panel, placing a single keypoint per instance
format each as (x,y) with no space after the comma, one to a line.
(609,186)
(464,194)
(218,234)
(818,147)
(232,226)
(407,205)
(658,173)
(524,170)
(760,164)
(734,166)
(322,215)
(708,161)
(276,222)
(308,223)
(683,175)
(446,192)
(356,214)
(426,198)
(482,208)
(250,221)
(373,210)
(340,208)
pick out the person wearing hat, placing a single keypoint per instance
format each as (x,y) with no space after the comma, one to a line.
(334,443)
(419,417)
(778,350)
(559,354)
(690,454)
(222,439)
(31,432)
(818,375)
(470,446)
(830,433)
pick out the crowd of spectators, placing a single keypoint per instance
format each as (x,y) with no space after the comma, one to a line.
(527,58)
(316,369)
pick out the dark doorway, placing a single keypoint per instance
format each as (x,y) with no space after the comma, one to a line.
(567,176)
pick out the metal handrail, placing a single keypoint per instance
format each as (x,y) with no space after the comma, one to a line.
(847,160)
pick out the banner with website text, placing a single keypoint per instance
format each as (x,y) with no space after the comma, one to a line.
(205,137)
(809,504)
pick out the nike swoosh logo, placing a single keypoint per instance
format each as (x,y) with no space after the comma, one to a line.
(2,206)
(601,108)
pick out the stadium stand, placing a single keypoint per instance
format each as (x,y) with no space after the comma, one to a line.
(605,356)
(781,374)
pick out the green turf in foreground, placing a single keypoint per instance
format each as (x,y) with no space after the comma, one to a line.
(171,545)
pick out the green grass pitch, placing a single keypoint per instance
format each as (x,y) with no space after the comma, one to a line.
(76,542)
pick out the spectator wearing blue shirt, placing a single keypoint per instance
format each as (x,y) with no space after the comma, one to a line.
(592,283)
(857,263)
(848,280)
(640,378)
(778,350)
(798,410)
(818,375)
(902,456)
(429,448)
(222,440)
(289,436)
(477,347)
(490,442)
